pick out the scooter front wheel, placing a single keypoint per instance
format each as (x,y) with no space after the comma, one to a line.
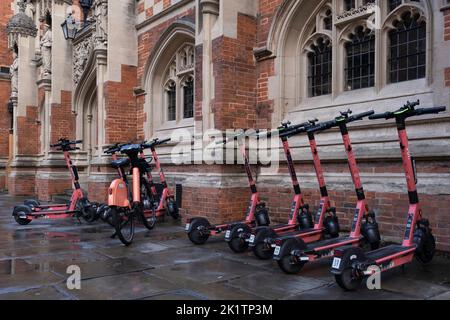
(199,231)
(236,241)
(262,249)
(347,280)
(123,221)
(20,214)
(288,263)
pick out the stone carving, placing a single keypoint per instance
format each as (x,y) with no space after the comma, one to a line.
(101,24)
(82,52)
(30,10)
(46,51)
(354,13)
(14,73)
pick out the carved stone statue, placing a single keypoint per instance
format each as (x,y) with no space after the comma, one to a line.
(46,51)
(101,23)
(14,73)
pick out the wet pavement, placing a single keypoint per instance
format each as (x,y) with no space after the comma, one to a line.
(163,264)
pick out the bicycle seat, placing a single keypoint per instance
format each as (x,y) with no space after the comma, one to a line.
(120,163)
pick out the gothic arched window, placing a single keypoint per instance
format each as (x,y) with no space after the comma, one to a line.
(407,60)
(360,62)
(320,68)
(188,98)
(179,85)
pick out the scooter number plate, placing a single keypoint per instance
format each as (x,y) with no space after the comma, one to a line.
(227,234)
(188,225)
(336,263)
(277,250)
(252,238)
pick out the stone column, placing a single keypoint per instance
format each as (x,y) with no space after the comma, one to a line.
(210,11)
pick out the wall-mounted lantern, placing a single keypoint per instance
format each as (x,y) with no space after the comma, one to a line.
(69,27)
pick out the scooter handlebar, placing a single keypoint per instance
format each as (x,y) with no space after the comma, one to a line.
(361,116)
(434,110)
(408,113)
(65,142)
(386,115)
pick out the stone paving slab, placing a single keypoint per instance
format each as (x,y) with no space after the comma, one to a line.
(163,264)
(42,293)
(204,272)
(121,287)
(275,285)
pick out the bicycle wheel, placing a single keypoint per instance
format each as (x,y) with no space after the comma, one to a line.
(123,221)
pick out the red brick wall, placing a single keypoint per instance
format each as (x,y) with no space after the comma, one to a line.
(5,15)
(265,68)
(447,25)
(215,204)
(235,73)
(62,119)
(5,119)
(120,105)
(5,86)
(447,77)
(46,188)
(28,132)
(267,10)
(22,185)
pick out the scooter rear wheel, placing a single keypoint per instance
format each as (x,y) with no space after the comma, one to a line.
(261,249)
(32,203)
(236,242)
(288,263)
(149,221)
(199,233)
(347,280)
(172,209)
(426,245)
(123,221)
(21,211)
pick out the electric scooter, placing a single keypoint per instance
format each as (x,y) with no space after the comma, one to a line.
(199,229)
(166,202)
(326,220)
(291,252)
(351,265)
(78,206)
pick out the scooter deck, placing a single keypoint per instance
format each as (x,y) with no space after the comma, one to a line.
(388,251)
(330,243)
(228,225)
(298,233)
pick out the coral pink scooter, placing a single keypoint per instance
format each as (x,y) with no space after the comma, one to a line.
(78,206)
(351,264)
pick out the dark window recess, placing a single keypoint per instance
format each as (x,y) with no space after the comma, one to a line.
(349,4)
(393,4)
(4,70)
(407,59)
(320,68)
(179,195)
(360,68)
(172,102)
(189,99)
(328,20)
